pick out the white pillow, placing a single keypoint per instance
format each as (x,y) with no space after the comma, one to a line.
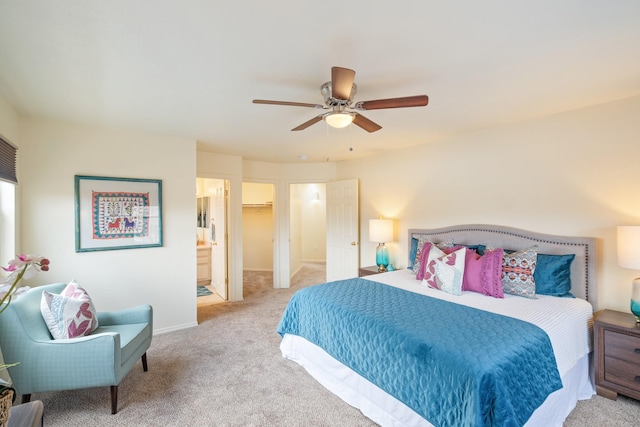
(70,314)
(445,272)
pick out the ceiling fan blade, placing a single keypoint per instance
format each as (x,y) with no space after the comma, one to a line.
(409,101)
(366,124)
(308,123)
(342,82)
(292,104)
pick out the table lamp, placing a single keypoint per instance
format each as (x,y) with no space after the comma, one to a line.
(629,257)
(381,231)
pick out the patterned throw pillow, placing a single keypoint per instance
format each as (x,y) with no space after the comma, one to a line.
(70,314)
(444,270)
(517,273)
(422,253)
(416,261)
(429,255)
(412,253)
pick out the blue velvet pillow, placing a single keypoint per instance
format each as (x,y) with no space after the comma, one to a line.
(412,252)
(553,275)
(479,249)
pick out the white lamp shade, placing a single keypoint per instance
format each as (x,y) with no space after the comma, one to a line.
(381,230)
(629,246)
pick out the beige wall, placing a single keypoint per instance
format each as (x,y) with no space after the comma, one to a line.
(574,173)
(51,153)
(9,122)
(256,194)
(295,228)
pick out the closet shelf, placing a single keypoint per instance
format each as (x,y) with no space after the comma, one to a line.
(257,205)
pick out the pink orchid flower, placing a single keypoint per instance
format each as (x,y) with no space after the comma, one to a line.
(22,266)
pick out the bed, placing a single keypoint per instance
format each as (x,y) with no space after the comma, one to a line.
(388,344)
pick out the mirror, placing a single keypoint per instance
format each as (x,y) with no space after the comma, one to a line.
(202,211)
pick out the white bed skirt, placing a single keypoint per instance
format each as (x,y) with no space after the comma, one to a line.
(386,410)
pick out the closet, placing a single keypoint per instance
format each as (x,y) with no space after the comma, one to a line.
(257,226)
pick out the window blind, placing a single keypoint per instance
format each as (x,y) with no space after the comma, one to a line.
(7,162)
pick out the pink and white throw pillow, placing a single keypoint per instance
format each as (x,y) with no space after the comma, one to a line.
(70,314)
(445,271)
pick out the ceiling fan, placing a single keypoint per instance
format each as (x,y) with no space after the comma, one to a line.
(338,99)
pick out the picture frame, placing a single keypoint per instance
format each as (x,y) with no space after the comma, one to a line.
(117,213)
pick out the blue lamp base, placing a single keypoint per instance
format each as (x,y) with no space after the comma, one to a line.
(635,299)
(382,257)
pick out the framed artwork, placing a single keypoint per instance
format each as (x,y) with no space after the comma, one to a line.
(117,213)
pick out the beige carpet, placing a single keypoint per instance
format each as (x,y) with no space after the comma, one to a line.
(228,371)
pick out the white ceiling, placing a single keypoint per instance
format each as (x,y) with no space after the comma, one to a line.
(191,68)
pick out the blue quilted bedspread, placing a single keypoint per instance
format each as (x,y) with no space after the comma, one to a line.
(454,365)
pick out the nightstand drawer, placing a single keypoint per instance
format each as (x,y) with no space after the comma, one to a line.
(622,346)
(623,373)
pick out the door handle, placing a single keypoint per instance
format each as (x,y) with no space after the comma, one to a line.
(353,243)
(214,243)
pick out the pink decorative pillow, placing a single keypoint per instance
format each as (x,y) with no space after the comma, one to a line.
(444,269)
(70,314)
(483,274)
(421,253)
(426,255)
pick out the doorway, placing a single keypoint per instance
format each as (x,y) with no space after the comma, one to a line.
(212,207)
(257,235)
(307,231)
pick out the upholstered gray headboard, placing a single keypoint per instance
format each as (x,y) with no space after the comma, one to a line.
(582,270)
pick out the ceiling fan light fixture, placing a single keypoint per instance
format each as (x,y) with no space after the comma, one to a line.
(338,120)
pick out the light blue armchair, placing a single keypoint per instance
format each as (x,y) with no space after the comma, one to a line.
(100,359)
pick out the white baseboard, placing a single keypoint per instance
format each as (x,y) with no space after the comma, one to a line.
(174,328)
(294,273)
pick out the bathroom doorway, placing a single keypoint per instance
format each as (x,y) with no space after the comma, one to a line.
(212,207)
(307,231)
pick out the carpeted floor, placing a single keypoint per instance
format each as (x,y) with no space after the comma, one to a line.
(228,371)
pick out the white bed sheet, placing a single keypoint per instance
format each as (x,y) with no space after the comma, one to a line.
(567,321)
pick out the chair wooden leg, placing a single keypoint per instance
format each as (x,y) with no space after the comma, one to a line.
(144,362)
(114,399)
(26,398)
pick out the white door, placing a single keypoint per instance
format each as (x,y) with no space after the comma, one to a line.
(219,238)
(343,240)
